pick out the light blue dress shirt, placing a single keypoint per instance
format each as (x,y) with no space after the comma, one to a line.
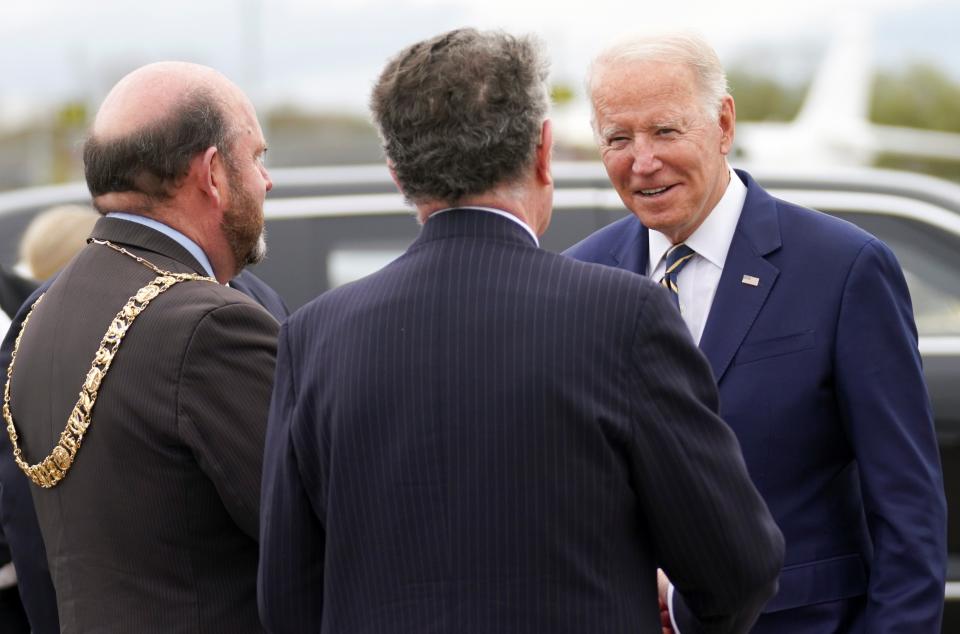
(172,233)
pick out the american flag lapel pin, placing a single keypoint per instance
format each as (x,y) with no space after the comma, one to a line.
(750,280)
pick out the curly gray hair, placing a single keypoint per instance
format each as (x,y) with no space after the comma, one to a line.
(460,114)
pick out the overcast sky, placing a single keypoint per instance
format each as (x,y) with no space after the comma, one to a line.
(325,54)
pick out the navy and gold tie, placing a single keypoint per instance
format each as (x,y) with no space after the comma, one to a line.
(677,258)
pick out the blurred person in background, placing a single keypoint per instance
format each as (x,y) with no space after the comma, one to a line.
(486,437)
(52,238)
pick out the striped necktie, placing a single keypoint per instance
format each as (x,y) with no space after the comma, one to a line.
(677,258)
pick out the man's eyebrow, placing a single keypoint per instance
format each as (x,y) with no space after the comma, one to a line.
(610,129)
(667,123)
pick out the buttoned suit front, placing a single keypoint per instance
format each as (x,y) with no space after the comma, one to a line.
(813,345)
(487,437)
(154,528)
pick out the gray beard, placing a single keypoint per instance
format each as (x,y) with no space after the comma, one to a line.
(259,251)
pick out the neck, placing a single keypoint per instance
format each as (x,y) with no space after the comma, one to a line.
(205,231)
(516,205)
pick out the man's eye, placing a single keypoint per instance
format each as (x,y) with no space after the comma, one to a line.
(666,131)
(617,140)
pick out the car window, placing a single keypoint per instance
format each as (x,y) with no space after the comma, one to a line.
(309,254)
(348,262)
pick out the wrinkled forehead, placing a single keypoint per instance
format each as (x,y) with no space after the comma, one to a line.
(243,123)
(644,86)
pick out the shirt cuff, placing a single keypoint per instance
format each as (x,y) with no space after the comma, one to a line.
(673,620)
(8,576)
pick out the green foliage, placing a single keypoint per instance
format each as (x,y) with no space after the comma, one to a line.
(761,98)
(935,167)
(922,96)
(562,93)
(72,114)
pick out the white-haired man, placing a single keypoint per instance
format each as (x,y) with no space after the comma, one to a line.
(807,323)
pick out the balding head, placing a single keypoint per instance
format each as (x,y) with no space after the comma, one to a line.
(154,92)
(152,124)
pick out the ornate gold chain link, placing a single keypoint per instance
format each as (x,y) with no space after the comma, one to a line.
(52,469)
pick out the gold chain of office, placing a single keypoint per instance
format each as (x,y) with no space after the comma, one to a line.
(51,470)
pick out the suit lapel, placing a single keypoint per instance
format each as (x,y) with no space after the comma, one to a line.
(736,303)
(631,250)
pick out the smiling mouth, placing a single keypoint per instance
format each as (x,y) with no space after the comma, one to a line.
(654,191)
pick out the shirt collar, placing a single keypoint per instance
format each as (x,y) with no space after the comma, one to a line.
(499,212)
(171,233)
(712,238)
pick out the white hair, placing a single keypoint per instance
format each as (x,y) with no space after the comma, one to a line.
(684,48)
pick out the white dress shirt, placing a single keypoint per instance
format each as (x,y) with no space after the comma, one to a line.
(698,280)
(4,323)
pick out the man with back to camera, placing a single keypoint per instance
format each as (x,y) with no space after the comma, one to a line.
(151,523)
(487,437)
(18,518)
(807,324)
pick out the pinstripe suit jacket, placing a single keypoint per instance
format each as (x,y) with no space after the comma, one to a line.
(487,437)
(154,529)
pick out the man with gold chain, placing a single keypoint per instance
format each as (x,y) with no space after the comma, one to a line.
(147,483)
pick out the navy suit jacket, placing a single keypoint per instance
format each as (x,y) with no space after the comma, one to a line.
(821,380)
(18,517)
(487,437)
(13,291)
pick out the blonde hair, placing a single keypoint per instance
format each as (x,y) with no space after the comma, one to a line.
(53,237)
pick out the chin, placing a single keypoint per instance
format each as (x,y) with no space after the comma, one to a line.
(259,251)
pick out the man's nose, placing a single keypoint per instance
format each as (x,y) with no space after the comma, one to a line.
(266,178)
(645,158)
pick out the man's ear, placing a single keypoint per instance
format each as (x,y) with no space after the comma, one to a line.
(728,123)
(545,153)
(211,174)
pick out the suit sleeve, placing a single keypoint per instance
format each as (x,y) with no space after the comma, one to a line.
(222,404)
(887,413)
(292,536)
(258,290)
(19,518)
(712,532)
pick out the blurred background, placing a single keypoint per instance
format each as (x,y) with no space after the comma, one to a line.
(822,82)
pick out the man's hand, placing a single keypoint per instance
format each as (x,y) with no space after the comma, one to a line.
(663,585)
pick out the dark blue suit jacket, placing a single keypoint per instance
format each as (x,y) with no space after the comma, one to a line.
(17,515)
(487,437)
(821,380)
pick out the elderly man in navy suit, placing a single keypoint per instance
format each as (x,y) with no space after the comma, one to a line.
(487,437)
(807,324)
